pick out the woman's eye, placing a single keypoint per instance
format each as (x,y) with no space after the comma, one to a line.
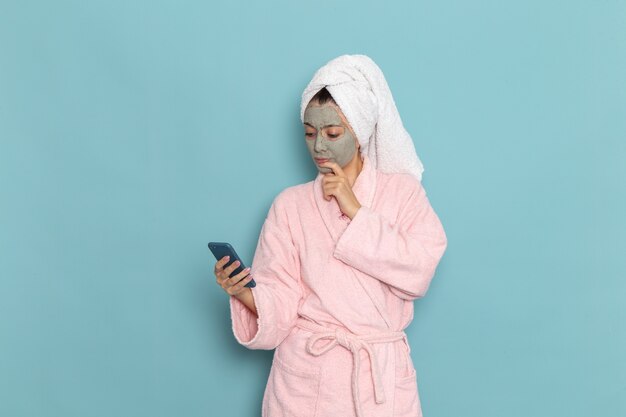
(334,133)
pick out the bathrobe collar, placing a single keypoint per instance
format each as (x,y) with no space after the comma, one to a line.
(364,188)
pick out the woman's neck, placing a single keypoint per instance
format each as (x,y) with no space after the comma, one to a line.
(354,168)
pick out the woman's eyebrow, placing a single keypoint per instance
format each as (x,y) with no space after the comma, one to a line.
(333,125)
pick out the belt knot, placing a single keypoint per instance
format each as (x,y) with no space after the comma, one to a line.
(345,340)
(354,343)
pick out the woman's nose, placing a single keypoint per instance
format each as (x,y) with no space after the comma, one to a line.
(319,143)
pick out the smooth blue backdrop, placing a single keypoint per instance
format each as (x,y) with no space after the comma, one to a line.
(132,133)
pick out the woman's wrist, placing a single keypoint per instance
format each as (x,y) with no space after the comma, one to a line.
(247,299)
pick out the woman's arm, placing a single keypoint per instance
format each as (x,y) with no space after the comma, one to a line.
(405,254)
(277,294)
(247,299)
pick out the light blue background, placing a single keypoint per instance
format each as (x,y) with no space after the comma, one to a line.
(132,133)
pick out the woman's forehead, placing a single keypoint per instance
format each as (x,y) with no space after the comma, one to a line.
(328,108)
(337,111)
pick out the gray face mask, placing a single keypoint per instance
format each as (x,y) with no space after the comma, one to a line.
(331,138)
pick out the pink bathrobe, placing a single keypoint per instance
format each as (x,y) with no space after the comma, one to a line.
(335,294)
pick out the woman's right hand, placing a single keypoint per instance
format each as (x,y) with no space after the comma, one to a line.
(235,284)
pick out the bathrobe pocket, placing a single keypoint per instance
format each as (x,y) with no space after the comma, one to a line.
(291,391)
(406,398)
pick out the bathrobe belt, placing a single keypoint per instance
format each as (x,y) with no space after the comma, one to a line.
(354,343)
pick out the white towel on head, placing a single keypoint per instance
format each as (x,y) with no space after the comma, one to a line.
(359,87)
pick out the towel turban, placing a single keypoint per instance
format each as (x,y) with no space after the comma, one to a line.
(359,88)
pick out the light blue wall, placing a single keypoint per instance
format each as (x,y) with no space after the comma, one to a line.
(132,133)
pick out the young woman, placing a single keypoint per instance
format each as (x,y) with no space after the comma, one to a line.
(341,259)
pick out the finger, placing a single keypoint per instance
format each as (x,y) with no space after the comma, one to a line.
(331,173)
(220,264)
(332,188)
(335,181)
(334,166)
(221,277)
(230,268)
(224,273)
(236,287)
(239,286)
(338,177)
(335,178)
(328,193)
(235,278)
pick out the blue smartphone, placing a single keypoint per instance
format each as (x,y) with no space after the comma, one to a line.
(221,249)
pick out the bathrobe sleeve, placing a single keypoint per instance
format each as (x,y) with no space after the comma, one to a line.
(277,294)
(403,254)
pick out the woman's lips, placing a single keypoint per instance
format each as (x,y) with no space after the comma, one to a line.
(320,160)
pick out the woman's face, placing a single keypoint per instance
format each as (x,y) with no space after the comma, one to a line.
(328,135)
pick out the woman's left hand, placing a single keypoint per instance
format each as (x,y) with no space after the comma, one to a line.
(336,184)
